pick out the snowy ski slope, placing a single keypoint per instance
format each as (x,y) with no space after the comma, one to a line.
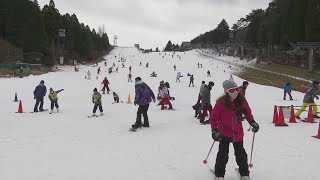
(70,146)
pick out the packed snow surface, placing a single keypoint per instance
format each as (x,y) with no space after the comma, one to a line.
(70,146)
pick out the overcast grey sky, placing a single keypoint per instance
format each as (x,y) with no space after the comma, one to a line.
(151,23)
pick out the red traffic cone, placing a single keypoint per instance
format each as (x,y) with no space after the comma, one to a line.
(275,115)
(310,115)
(20,107)
(292,116)
(281,118)
(318,136)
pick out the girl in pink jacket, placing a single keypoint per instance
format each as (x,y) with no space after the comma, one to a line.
(226,125)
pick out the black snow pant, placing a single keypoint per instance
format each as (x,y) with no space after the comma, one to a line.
(38,101)
(223,156)
(96,107)
(54,103)
(104,89)
(116,100)
(285,94)
(191,82)
(143,110)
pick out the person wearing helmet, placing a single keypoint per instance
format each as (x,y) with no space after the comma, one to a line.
(226,127)
(53,96)
(96,100)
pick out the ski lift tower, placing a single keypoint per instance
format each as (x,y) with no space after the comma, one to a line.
(311,46)
(61,36)
(115,40)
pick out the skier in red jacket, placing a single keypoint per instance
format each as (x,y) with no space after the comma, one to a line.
(226,125)
(105,83)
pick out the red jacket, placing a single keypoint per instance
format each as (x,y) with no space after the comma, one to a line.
(105,82)
(228,121)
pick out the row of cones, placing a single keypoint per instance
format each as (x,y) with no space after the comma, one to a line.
(278,119)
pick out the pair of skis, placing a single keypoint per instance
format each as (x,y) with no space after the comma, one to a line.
(91,116)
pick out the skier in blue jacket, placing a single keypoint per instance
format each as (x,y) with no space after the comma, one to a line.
(287,90)
(39,93)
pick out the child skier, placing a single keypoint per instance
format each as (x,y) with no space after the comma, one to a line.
(105,83)
(54,99)
(88,74)
(225,119)
(164,94)
(208,74)
(115,97)
(178,76)
(309,100)
(287,89)
(96,100)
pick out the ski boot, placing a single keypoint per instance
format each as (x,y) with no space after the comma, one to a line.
(136,126)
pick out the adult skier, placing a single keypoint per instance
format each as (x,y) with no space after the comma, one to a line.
(226,125)
(243,88)
(39,92)
(203,83)
(96,100)
(129,77)
(287,90)
(191,81)
(105,83)
(206,101)
(309,100)
(143,97)
(54,99)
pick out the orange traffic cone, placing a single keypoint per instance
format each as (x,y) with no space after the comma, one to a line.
(292,116)
(275,115)
(20,107)
(310,115)
(281,118)
(318,136)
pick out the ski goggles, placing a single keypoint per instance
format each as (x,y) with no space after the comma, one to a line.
(232,90)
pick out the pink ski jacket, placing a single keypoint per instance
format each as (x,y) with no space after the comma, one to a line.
(229,120)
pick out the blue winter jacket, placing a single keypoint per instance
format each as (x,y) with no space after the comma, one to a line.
(144,94)
(286,87)
(40,91)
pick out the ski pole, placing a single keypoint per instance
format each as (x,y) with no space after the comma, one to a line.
(251,165)
(206,160)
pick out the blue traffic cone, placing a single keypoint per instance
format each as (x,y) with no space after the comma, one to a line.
(15,98)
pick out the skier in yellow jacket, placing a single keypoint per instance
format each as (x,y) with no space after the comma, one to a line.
(54,99)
